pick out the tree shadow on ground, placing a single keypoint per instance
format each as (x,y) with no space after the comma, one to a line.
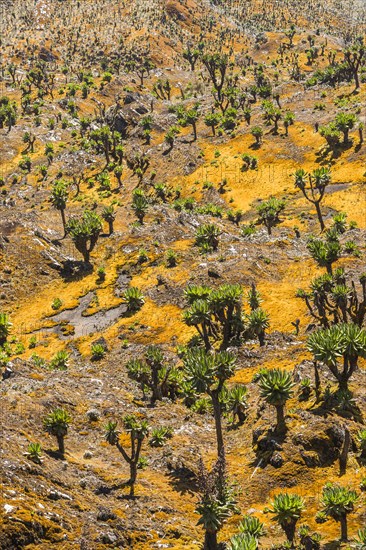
(328,155)
(75,270)
(183,480)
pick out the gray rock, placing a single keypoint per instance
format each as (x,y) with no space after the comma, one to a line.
(276,460)
(57,495)
(93,415)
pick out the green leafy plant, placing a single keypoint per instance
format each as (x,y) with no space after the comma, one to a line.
(142,257)
(171,258)
(56,423)
(159,436)
(58,199)
(243,541)
(5,327)
(286,509)
(139,204)
(257,133)
(207,237)
(338,502)
(361,539)
(207,373)
(269,212)
(56,304)
(85,232)
(361,437)
(325,252)
(202,405)
(109,215)
(101,274)
(237,402)
(276,388)
(98,351)
(258,322)
(309,539)
(154,373)
(133,298)
(60,361)
(341,343)
(34,452)
(250,525)
(217,500)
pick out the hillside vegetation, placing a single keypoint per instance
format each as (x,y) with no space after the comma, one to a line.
(182,274)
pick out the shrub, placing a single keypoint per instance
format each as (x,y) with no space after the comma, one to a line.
(248,230)
(250,525)
(361,438)
(171,258)
(269,212)
(34,452)
(160,435)
(60,361)
(56,423)
(133,298)
(338,502)
(98,351)
(56,304)
(101,274)
(286,510)
(202,405)
(142,257)
(276,388)
(5,326)
(207,237)
(257,133)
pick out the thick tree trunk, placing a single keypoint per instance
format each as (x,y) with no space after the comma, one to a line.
(156,389)
(320,216)
(205,337)
(344,452)
(61,445)
(281,424)
(317,381)
(210,541)
(344,531)
(290,531)
(218,426)
(133,476)
(63,218)
(261,338)
(86,255)
(343,383)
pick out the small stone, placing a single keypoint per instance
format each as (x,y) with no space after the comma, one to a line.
(57,495)
(93,415)
(276,460)
(8,508)
(108,538)
(88,454)
(105,514)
